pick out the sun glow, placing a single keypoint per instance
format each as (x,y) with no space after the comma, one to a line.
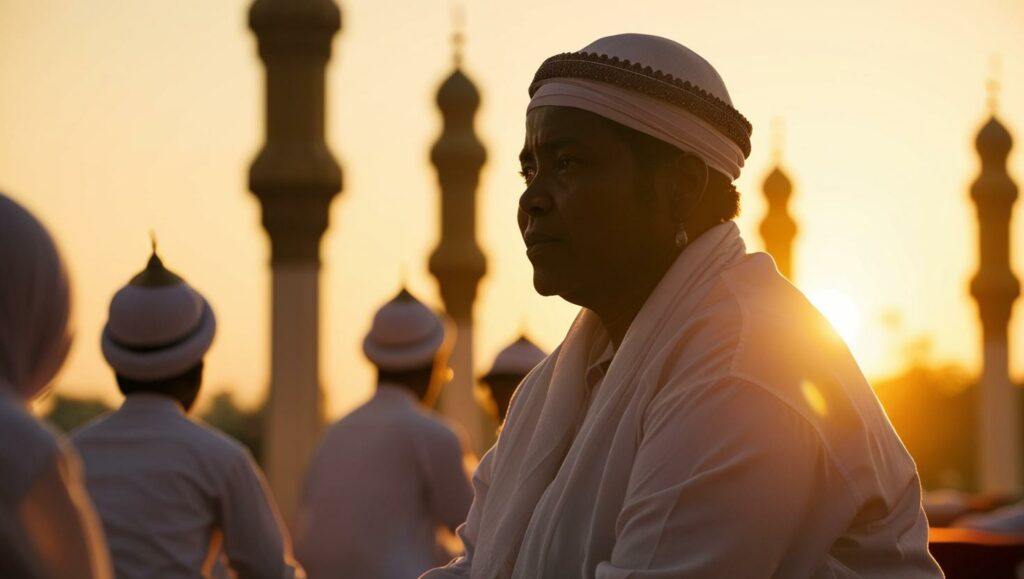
(841,311)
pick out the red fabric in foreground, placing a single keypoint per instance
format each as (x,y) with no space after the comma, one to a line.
(966,554)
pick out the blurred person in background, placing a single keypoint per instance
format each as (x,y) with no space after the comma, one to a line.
(387,481)
(700,418)
(173,492)
(47,525)
(510,366)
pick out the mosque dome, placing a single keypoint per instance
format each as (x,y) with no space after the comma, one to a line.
(457,93)
(777,184)
(993,140)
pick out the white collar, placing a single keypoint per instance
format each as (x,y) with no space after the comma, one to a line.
(152,402)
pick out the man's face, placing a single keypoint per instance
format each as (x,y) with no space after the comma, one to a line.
(587,231)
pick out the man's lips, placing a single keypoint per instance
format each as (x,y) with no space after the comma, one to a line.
(533,239)
(538,242)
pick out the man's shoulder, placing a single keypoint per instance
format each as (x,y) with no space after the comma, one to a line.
(430,425)
(212,440)
(91,429)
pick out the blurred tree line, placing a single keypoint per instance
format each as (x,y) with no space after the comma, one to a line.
(933,407)
(222,412)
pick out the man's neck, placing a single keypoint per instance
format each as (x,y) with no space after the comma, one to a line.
(618,312)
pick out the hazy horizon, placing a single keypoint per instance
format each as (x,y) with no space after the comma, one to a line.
(123,117)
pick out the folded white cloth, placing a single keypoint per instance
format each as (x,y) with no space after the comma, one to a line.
(733,435)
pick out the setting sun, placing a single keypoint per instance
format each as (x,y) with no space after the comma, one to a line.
(841,311)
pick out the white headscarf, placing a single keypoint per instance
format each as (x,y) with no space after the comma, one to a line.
(35,303)
(637,80)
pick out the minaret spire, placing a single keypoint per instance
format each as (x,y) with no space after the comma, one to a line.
(995,288)
(778,228)
(458,33)
(458,263)
(295,177)
(993,84)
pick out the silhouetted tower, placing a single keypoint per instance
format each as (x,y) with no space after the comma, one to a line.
(295,178)
(457,262)
(995,288)
(778,228)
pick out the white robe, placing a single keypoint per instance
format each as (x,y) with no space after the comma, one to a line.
(168,490)
(733,435)
(382,483)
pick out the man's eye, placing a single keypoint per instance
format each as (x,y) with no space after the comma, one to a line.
(527,174)
(567,163)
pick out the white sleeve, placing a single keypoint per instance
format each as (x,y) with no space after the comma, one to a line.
(723,485)
(255,543)
(470,530)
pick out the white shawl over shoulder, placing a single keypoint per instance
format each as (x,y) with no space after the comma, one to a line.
(733,436)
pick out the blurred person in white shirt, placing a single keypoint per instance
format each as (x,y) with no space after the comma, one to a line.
(172,492)
(387,481)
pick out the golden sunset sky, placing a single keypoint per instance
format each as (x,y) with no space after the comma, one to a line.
(122,116)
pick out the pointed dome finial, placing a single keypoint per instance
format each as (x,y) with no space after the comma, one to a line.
(778,133)
(995,71)
(155,274)
(458,32)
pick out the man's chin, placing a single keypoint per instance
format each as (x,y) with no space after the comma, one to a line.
(544,285)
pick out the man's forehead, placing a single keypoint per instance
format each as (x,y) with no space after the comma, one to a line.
(547,126)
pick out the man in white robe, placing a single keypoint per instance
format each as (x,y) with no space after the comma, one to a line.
(389,477)
(700,419)
(173,493)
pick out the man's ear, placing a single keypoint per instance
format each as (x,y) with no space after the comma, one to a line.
(683,182)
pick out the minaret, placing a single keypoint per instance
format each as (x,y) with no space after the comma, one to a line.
(995,288)
(457,262)
(778,228)
(295,178)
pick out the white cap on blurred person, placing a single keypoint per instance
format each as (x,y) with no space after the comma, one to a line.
(158,327)
(517,359)
(405,335)
(35,303)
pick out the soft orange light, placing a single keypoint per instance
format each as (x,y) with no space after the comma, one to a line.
(841,311)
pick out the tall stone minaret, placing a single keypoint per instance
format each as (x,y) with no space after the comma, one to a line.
(458,262)
(778,228)
(295,178)
(995,288)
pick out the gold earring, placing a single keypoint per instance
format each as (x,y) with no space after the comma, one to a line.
(681,238)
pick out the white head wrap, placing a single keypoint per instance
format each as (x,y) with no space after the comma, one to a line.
(517,359)
(652,85)
(35,303)
(159,327)
(405,335)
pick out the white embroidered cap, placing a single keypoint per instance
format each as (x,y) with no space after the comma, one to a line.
(653,85)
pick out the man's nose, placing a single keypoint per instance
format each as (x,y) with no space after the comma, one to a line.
(534,201)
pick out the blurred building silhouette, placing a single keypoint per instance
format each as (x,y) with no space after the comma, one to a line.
(778,229)
(995,288)
(295,178)
(458,263)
